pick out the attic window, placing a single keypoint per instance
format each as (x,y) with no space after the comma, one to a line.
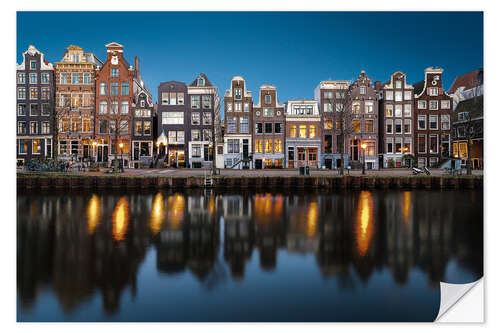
(201,82)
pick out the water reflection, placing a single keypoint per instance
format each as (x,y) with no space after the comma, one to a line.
(64,245)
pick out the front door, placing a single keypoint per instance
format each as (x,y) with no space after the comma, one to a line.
(291,157)
(245,148)
(105,154)
(99,154)
(85,151)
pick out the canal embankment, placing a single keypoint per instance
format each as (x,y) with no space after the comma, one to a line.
(44,181)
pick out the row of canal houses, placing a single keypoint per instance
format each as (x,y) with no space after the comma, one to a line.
(82,108)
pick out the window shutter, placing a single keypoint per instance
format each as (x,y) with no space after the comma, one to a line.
(428,91)
(440,91)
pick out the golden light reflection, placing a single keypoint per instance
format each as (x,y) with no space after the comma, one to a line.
(364,223)
(120,219)
(93,213)
(267,209)
(406,206)
(157,214)
(176,205)
(211,205)
(312,219)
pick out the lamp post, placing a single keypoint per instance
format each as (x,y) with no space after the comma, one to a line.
(363,146)
(94,157)
(121,154)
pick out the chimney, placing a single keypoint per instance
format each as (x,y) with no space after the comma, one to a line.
(136,65)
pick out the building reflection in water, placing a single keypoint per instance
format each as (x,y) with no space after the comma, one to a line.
(62,242)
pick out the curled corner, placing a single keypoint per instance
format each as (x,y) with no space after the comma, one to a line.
(451,294)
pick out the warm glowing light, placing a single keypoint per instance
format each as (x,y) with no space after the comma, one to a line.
(211,205)
(312,219)
(406,206)
(176,205)
(157,213)
(120,219)
(264,206)
(363,145)
(121,144)
(93,213)
(364,223)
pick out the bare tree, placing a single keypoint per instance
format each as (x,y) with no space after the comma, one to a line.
(343,121)
(121,125)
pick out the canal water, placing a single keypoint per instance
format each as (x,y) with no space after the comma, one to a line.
(244,256)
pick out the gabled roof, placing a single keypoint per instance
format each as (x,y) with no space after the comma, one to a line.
(207,81)
(114,44)
(468,80)
(418,87)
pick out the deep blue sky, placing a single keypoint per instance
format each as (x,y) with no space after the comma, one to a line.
(292,50)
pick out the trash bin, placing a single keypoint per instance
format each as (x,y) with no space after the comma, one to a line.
(307,171)
(302,170)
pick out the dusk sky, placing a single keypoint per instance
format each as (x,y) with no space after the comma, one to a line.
(292,50)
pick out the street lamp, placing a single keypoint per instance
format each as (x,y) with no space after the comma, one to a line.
(363,146)
(121,153)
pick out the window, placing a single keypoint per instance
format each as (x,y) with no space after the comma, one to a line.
(237,107)
(407,145)
(195,135)
(258,146)
(33,127)
(233,145)
(33,93)
(433,144)
(114,88)
(407,95)
(389,110)
(21,93)
(33,78)
(433,105)
(398,96)
(138,128)
(231,124)
(433,122)
(269,146)
(267,99)
(398,110)
(356,107)
(246,107)
(33,109)
(195,102)
(33,64)
(422,122)
(125,88)
(237,93)
(207,118)
(75,101)
(114,72)
(399,145)
(389,145)
(74,147)
(398,84)
(445,122)
(86,125)
(398,126)
(327,107)
(328,94)
(278,146)
(36,147)
(207,101)
(114,107)
(389,95)
(21,109)
(339,107)
(302,131)
(370,148)
(328,124)
(196,151)
(124,107)
(229,107)
(258,128)
(103,107)
(173,118)
(445,104)
(62,147)
(103,89)
(45,78)
(64,78)
(103,126)
(21,78)
(422,143)
(86,78)
(407,110)
(460,131)
(268,128)
(23,147)
(433,91)
(64,125)
(368,106)
(268,112)
(74,124)
(407,125)
(112,126)
(388,126)
(195,118)
(339,95)
(356,127)
(422,104)
(123,126)
(45,109)
(362,90)
(45,92)
(293,131)
(244,125)
(463,115)
(75,78)
(369,126)
(21,127)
